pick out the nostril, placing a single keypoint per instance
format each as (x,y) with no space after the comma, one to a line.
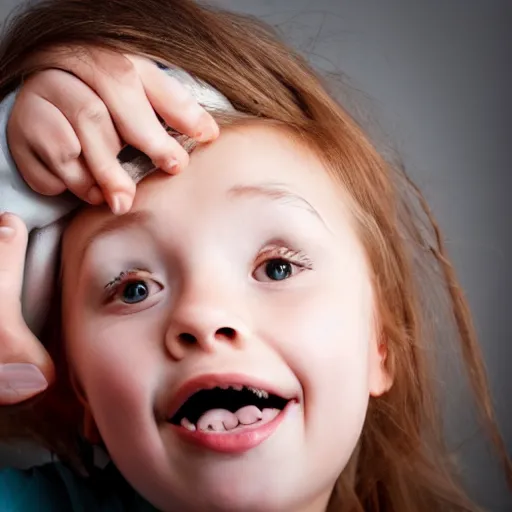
(226,332)
(187,338)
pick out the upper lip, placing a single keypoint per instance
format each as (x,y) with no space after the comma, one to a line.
(213,380)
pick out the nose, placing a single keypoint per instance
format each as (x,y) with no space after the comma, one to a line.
(203,327)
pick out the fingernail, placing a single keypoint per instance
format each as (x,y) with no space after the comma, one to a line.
(6,232)
(18,380)
(171,166)
(208,128)
(95,196)
(120,203)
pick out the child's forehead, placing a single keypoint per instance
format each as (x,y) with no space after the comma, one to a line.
(256,151)
(244,163)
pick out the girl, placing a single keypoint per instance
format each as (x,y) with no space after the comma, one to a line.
(257,333)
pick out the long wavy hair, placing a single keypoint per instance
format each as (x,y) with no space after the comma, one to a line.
(402,463)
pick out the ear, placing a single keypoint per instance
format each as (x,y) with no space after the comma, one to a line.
(379,373)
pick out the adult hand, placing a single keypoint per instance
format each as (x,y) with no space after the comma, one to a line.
(70,121)
(25,366)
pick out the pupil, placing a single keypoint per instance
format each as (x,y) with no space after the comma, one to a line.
(135,292)
(278,270)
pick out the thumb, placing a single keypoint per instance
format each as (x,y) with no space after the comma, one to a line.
(25,367)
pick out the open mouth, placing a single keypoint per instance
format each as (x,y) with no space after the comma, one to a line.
(228,409)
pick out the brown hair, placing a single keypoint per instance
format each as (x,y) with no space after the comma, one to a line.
(402,463)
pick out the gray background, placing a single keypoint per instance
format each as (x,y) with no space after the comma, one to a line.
(438,73)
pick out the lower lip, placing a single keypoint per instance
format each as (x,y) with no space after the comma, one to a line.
(239,442)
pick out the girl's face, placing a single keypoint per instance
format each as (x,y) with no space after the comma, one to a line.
(243,271)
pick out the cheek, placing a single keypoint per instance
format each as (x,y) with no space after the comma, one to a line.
(116,365)
(324,336)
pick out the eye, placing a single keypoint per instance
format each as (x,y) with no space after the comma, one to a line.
(131,287)
(279,264)
(134,292)
(278,270)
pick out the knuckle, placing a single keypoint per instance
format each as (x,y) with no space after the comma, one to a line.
(11,339)
(46,187)
(16,127)
(104,173)
(124,71)
(43,78)
(68,152)
(76,181)
(57,151)
(156,146)
(50,189)
(110,177)
(95,111)
(7,340)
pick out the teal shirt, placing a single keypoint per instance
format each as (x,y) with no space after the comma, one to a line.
(55,488)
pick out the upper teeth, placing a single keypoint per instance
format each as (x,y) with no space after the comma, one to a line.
(260,393)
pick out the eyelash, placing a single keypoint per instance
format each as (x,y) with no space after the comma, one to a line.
(297,258)
(126,276)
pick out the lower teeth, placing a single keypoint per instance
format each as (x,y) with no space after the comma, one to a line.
(222,420)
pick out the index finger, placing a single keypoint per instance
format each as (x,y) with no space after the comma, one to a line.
(116,81)
(175,103)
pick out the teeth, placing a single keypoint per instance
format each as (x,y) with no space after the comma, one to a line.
(188,425)
(222,420)
(260,393)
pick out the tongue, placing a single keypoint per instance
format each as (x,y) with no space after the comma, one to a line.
(217,420)
(221,420)
(248,415)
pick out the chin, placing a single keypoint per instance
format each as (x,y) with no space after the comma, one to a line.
(243,498)
(249,491)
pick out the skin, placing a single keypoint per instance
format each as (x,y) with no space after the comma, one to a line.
(65,131)
(205,250)
(92,104)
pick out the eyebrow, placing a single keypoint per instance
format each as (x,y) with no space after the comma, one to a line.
(273,191)
(278,192)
